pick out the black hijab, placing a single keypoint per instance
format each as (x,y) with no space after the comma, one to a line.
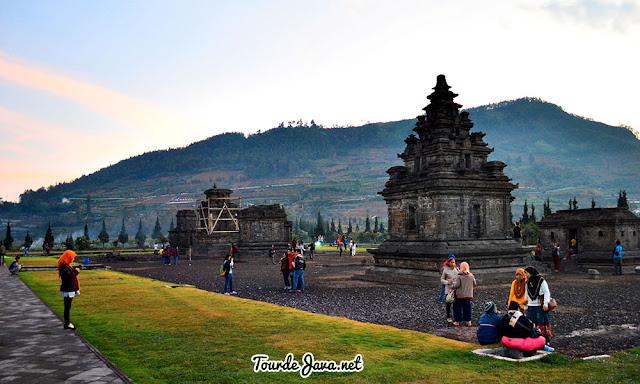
(533,283)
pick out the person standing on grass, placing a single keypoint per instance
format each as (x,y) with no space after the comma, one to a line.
(353,248)
(518,289)
(3,252)
(463,284)
(228,276)
(70,286)
(449,272)
(617,258)
(537,298)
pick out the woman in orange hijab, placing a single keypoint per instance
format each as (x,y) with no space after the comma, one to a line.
(70,286)
(518,288)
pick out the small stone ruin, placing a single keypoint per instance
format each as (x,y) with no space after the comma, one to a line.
(218,221)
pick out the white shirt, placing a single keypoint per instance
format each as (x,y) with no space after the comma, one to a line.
(544,290)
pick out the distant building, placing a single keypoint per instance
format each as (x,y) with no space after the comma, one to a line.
(218,221)
(596,231)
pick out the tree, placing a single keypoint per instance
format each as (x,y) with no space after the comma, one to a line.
(88,206)
(86,232)
(546,209)
(532,218)
(376,227)
(350,228)
(172,226)
(104,235)
(27,241)
(367,225)
(575,204)
(82,243)
(570,204)
(157,230)
(8,239)
(319,229)
(339,226)
(333,223)
(525,214)
(163,239)
(48,237)
(593,203)
(69,243)
(622,199)
(140,236)
(123,237)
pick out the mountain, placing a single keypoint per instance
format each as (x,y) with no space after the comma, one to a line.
(549,152)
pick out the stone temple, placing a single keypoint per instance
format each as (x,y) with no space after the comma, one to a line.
(447,199)
(218,221)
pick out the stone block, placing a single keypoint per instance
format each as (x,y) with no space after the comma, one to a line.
(638,269)
(593,274)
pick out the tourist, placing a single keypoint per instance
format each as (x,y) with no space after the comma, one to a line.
(538,252)
(294,243)
(284,268)
(312,248)
(518,289)
(517,326)
(15,266)
(555,255)
(175,252)
(299,265)
(155,248)
(463,284)
(290,256)
(70,286)
(353,248)
(572,249)
(3,252)
(233,251)
(489,325)
(340,247)
(537,298)
(301,247)
(449,272)
(517,233)
(617,258)
(228,276)
(271,254)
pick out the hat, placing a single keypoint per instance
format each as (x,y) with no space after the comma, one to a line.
(489,306)
(451,256)
(517,223)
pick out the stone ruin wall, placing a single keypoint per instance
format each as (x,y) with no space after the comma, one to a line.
(451,216)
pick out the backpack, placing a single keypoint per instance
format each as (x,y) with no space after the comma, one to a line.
(222,273)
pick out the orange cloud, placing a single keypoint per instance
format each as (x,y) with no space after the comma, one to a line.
(122,108)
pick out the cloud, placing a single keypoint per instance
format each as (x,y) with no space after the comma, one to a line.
(614,15)
(153,120)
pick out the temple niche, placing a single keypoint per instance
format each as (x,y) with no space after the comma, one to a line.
(218,220)
(447,198)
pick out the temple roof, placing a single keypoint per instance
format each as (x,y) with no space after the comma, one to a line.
(590,216)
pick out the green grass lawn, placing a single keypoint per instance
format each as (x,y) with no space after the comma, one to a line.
(185,335)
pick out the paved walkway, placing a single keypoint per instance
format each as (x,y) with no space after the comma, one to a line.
(34,347)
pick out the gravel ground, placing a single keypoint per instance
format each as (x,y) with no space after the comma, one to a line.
(594,317)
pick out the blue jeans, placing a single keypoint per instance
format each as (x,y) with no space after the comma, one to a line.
(175,260)
(298,274)
(441,293)
(617,265)
(462,310)
(228,282)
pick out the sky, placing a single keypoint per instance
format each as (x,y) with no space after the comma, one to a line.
(85,84)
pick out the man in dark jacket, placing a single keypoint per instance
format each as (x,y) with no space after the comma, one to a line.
(299,266)
(490,325)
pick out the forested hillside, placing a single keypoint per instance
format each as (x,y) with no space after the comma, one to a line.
(339,171)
